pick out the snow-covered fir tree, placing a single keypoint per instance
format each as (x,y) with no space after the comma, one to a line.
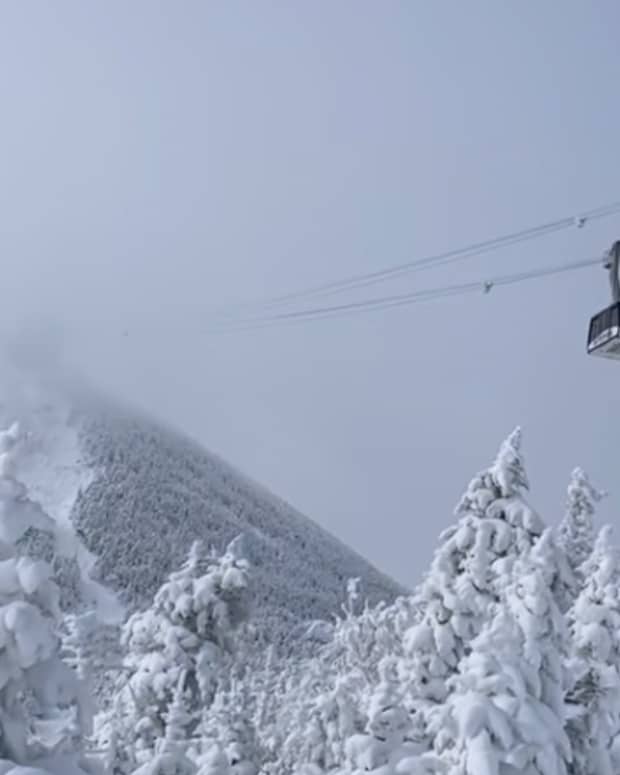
(170,756)
(39,693)
(594,694)
(387,739)
(324,704)
(576,530)
(243,718)
(333,716)
(467,581)
(79,633)
(228,725)
(265,681)
(506,703)
(187,632)
(468,572)
(363,635)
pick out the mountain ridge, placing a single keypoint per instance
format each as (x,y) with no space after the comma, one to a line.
(138,493)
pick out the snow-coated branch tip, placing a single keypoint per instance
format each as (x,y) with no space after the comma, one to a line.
(604,539)
(9,437)
(544,544)
(508,470)
(579,478)
(515,438)
(237,548)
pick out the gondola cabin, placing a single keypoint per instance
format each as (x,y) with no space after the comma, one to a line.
(604,333)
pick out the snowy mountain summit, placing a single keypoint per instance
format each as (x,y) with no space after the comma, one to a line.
(136,495)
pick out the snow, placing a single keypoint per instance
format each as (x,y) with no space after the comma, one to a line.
(52,469)
(505,661)
(112,480)
(35,685)
(32,639)
(576,531)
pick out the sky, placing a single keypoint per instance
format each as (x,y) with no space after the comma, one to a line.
(163,163)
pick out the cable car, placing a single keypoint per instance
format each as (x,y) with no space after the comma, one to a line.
(604,331)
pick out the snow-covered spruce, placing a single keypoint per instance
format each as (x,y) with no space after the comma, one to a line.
(327,701)
(594,694)
(227,728)
(170,751)
(43,710)
(576,530)
(388,730)
(466,582)
(506,710)
(180,644)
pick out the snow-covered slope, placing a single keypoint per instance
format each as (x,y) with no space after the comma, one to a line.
(138,494)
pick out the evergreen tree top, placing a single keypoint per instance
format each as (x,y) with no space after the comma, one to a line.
(508,470)
(582,494)
(576,530)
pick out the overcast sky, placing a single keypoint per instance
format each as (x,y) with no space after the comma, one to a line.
(161,161)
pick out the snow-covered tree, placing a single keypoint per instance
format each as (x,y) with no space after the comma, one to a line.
(265,682)
(388,721)
(77,642)
(576,531)
(594,695)
(387,738)
(468,572)
(214,760)
(333,716)
(506,707)
(228,725)
(39,693)
(79,633)
(365,634)
(325,702)
(171,750)
(187,632)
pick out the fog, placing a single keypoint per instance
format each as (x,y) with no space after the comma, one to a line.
(163,163)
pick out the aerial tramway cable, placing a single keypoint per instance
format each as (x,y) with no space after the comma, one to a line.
(440,259)
(405,299)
